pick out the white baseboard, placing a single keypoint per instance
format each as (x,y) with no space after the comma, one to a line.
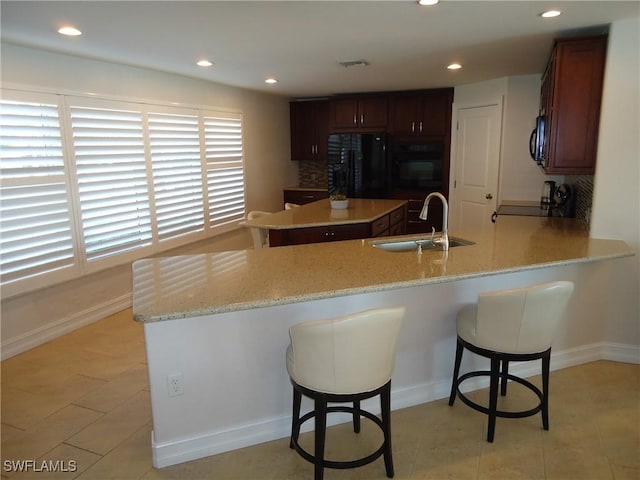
(619,352)
(38,336)
(212,443)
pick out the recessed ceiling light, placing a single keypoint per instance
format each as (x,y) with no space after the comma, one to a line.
(271,80)
(454,66)
(428,2)
(204,63)
(551,13)
(70,31)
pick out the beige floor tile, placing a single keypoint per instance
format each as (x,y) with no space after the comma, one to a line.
(574,464)
(52,380)
(510,461)
(84,397)
(621,472)
(46,435)
(582,434)
(114,427)
(130,460)
(620,434)
(117,391)
(23,409)
(8,431)
(61,463)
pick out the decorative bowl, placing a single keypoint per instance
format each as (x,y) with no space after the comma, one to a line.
(339,204)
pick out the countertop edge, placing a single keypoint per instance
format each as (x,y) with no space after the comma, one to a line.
(368,289)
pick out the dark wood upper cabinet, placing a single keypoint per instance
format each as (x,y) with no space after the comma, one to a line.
(424,113)
(570,99)
(360,113)
(309,129)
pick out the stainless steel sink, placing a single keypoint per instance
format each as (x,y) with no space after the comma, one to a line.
(413,244)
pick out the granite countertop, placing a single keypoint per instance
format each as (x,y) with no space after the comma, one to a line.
(169,288)
(320,214)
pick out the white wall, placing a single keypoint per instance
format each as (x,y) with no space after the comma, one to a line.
(616,197)
(33,318)
(520,178)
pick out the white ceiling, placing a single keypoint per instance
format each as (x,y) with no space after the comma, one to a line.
(302,42)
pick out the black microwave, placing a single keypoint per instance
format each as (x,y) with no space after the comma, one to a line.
(536,140)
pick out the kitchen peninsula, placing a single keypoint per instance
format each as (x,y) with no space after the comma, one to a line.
(318,222)
(220,321)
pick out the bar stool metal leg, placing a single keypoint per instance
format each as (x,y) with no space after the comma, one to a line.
(320,434)
(493,397)
(546,360)
(456,371)
(385,406)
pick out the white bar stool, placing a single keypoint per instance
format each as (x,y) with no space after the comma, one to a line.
(260,236)
(510,325)
(344,360)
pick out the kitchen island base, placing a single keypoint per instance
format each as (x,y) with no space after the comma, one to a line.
(236,390)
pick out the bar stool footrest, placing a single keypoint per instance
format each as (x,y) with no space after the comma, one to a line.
(500,413)
(344,464)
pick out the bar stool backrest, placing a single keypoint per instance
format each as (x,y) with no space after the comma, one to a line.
(350,354)
(258,235)
(522,320)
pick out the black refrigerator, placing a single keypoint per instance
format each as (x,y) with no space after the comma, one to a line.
(357,165)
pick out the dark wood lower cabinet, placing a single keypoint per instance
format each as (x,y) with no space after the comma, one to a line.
(304,196)
(393,223)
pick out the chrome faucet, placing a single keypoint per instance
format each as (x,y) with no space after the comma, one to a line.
(444,239)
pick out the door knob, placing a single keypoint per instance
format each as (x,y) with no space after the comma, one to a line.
(488,196)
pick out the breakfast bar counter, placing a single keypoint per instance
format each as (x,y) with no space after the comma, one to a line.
(169,288)
(219,322)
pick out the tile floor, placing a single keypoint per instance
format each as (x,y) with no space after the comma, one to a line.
(84,398)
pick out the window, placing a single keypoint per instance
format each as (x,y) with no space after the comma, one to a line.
(88,183)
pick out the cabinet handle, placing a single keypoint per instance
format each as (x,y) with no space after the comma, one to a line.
(413,127)
(421,126)
(355,119)
(308,196)
(362,119)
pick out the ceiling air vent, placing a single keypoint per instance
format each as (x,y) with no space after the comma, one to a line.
(355,63)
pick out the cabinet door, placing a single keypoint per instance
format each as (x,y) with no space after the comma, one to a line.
(301,130)
(344,113)
(575,114)
(435,117)
(321,129)
(355,114)
(403,114)
(372,112)
(425,113)
(309,130)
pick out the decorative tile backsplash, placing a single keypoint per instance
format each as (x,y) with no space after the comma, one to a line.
(583,186)
(312,174)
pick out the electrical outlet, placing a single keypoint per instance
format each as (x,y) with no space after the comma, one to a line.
(174,384)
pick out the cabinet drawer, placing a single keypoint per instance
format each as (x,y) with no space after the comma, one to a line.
(379,226)
(397,229)
(304,196)
(396,216)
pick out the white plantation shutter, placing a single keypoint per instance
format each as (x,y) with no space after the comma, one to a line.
(91,183)
(112,180)
(35,212)
(225,168)
(177,174)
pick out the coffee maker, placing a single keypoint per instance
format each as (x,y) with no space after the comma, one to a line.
(547,197)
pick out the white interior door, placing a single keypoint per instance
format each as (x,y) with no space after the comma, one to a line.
(477,162)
